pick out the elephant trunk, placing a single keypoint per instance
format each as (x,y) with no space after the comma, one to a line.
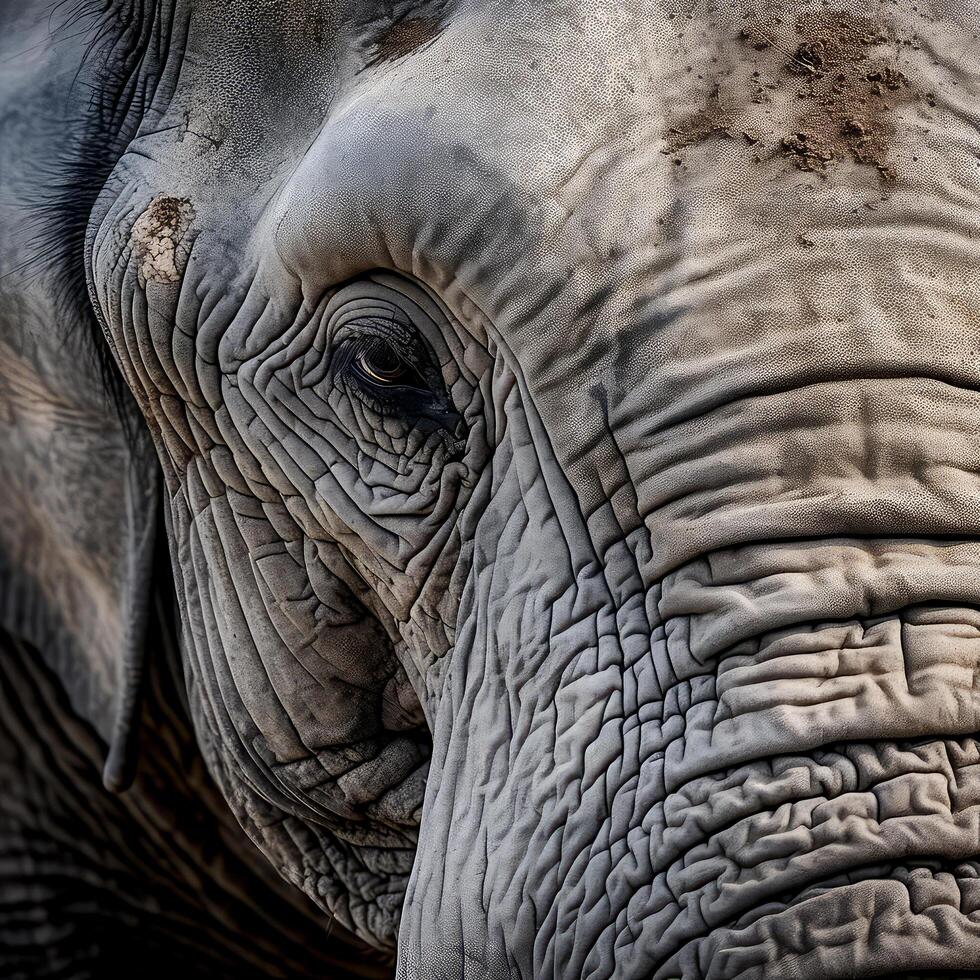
(725,769)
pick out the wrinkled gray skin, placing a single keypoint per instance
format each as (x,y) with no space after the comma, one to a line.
(668,535)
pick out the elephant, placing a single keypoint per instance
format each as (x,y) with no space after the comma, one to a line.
(490,490)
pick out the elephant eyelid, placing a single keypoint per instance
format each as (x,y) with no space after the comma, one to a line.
(381,360)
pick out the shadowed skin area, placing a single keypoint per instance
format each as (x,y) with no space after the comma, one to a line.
(160,876)
(568,422)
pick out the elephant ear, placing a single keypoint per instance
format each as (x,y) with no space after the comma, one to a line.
(78,476)
(78,515)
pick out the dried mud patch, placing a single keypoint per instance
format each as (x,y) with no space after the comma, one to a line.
(850,86)
(716,119)
(158,238)
(406,36)
(818,89)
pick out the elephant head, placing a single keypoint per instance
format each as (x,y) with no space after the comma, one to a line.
(569,428)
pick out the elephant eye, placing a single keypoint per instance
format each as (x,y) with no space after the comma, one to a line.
(379,363)
(379,345)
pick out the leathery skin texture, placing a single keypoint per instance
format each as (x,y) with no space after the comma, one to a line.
(569,426)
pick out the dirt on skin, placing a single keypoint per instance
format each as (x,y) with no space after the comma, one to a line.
(406,36)
(158,239)
(849,93)
(716,119)
(845,81)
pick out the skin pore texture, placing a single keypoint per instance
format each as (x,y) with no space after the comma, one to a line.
(567,431)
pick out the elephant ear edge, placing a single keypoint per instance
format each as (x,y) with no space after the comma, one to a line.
(79,479)
(79,503)
(142,536)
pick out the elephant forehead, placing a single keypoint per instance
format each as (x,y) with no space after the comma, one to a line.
(475,152)
(656,210)
(659,211)
(560,159)
(565,167)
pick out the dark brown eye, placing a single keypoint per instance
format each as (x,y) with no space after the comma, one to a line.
(382,369)
(382,365)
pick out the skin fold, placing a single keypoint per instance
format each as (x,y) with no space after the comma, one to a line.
(563,424)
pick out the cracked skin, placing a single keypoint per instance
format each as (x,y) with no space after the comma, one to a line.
(513,487)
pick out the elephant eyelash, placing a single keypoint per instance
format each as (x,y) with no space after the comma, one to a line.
(118,39)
